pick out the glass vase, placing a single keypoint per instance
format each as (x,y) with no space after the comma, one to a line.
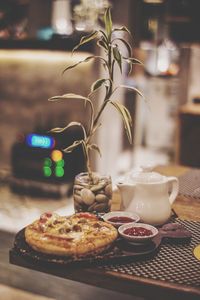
(92,193)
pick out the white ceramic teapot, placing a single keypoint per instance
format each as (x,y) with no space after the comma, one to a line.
(147,194)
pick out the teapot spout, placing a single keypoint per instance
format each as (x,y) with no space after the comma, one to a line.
(127,193)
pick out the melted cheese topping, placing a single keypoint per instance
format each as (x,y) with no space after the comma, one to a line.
(73,228)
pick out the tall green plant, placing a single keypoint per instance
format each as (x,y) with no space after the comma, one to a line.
(107,40)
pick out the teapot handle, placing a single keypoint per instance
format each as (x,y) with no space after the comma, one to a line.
(175,188)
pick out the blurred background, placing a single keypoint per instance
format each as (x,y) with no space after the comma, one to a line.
(36,38)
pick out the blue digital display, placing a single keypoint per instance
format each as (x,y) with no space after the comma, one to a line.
(40,141)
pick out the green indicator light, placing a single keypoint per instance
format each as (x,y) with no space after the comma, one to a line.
(60,163)
(59,172)
(47,162)
(47,171)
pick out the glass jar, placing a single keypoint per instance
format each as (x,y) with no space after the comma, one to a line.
(92,195)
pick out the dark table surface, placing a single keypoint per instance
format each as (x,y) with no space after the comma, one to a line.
(117,279)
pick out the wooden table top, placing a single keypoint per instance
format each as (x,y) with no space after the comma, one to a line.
(186,208)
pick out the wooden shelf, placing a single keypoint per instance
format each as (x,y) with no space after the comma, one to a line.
(190,109)
(56,43)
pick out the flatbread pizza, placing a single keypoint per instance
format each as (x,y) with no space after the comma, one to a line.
(79,235)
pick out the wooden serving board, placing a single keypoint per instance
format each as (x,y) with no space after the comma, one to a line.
(120,251)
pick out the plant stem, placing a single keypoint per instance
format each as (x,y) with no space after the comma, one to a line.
(100,112)
(110,91)
(86,150)
(89,171)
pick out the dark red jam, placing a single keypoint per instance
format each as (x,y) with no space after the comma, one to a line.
(138,231)
(121,219)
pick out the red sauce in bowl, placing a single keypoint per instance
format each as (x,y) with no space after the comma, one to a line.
(138,231)
(121,219)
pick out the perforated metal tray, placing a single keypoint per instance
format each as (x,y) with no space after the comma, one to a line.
(174,263)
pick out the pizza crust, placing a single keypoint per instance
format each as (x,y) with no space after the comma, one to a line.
(93,236)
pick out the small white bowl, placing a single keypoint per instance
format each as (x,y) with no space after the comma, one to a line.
(137,239)
(133,216)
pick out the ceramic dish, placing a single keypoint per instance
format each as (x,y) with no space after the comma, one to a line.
(137,232)
(118,218)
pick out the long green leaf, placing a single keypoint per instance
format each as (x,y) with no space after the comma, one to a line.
(97,84)
(133,61)
(104,35)
(99,57)
(108,22)
(102,44)
(117,56)
(126,117)
(127,45)
(85,150)
(95,128)
(131,88)
(113,67)
(130,68)
(78,63)
(95,147)
(73,146)
(77,97)
(59,130)
(70,96)
(86,39)
(123,28)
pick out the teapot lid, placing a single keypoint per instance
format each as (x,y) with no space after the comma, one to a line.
(144,175)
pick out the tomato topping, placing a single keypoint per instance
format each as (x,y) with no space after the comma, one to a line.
(44,217)
(87,215)
(48,214)
(43,220)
